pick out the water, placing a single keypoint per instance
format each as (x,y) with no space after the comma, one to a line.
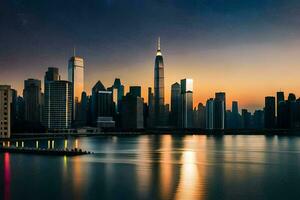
(158,167)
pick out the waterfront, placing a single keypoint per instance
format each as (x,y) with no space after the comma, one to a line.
(158,167)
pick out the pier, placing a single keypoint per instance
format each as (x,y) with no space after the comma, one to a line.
(18,147)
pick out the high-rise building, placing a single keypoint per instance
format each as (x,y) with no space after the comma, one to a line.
(94,101)
(280,98)
(135,90)
(175,104)
(235,107)
(58,105)
(118,92)
(76,77)
(246,119)
(52,74)
(200,117)
(105,110)
(210,113)
(258,119)
(269,112)
(14,105)
(33,99)
(132,116)
(186,103)
(219,110)
(105,104)
(235,116)
(159,87)
(150,116)
(5,111)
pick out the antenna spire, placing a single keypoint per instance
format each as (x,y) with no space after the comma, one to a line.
(158,44)
(74,51)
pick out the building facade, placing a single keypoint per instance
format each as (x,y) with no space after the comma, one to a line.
(159,87)
(175,105)
(58,106)
(76,77)
(5,111)
(186,103)
(33,100)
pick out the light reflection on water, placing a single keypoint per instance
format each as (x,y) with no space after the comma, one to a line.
(158,167)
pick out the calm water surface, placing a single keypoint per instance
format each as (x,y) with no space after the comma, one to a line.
(158,167)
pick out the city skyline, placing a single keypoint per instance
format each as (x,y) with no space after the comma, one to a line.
(219,44)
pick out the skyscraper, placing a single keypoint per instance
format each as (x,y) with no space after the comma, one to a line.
(52,74)
(235,116)
(210,113)
(94,100)
(32,99)
(58,106)
(280,98)
(132,112)
(219,110)
(76,77)
(150,117)
(175,104)
(5,111)
(269,112)
(118,92)
(186,103)
(159,87)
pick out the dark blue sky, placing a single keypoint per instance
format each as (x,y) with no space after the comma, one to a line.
(117,37)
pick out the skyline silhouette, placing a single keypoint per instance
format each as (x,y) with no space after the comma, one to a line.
(247,49)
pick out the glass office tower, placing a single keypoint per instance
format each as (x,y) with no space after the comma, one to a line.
(76,77)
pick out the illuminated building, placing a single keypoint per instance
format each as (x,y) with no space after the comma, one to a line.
(76,77)
(159,87)
(186,103)
(58,105)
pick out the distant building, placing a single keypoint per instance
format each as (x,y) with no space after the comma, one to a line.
(33,99)
(150,116)
(200,117)
(258,119)
(105,109)
(5,111)
(269,112)
(135,91)
(246,119)
(58,105)
(118,93)
(219,110)
(235,117)
(210,113)
(94,101)
(186,103)
(76,77)
(175,105)
(132,109)
(280,98)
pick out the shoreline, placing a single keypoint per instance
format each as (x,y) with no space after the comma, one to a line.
(274,132)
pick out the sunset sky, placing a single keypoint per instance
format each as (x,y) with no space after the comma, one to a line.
(249,49)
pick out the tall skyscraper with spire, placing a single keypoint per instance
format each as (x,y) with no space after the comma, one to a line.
(76,77)
(159,87)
